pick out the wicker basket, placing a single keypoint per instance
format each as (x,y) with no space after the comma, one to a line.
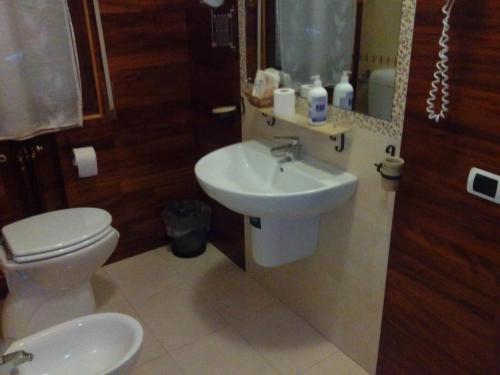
(257,102)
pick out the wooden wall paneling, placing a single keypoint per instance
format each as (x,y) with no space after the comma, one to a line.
(215,82)
(251,37)
(47,174)
(442,304)
(15,200)
(34,185)
(146,155)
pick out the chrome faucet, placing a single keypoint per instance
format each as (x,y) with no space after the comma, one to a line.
(16,358)
(289,151)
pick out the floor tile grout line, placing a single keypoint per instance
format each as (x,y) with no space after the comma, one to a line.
(187,284)
(142,320)
(296,313)
(320,361)
(159,339)
(258,352)
(338,350)
(168,352)
(232,324)
(176,267)
(227,322)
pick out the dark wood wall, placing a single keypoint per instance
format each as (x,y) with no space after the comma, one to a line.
(163,87)
(146,155)
(441,313)
(215,80)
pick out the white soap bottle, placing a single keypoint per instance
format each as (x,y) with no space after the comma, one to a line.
(318,103)
(344,92)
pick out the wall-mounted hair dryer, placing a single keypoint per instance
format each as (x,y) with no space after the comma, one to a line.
(441,74)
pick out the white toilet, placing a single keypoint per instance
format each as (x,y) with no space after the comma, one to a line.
(48,261)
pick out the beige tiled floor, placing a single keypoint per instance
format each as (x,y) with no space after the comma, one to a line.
(205,316)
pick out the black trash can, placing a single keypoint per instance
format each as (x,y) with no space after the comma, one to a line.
(188,224)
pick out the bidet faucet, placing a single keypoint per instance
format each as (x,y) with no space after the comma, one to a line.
(291,150)
(16,358)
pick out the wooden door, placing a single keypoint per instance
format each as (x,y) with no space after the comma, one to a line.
(441,313)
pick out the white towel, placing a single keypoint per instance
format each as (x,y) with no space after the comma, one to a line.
(40,88)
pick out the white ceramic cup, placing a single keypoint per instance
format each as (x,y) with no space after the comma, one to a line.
(391,171)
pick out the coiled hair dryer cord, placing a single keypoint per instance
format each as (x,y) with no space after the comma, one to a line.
(441,73)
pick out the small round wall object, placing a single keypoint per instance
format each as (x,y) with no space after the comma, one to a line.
(213,3)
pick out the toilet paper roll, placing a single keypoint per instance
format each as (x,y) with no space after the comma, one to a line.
(85,159)
(284,102)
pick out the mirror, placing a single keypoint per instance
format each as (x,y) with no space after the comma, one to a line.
(302,38)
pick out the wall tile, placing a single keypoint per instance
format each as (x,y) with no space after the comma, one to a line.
(340,289)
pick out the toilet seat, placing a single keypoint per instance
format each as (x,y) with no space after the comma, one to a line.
(55,233)
(62,251)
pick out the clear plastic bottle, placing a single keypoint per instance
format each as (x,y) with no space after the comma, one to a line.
(343,93)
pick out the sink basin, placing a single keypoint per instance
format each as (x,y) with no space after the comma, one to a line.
(247,179)
(284,200)
(98,344)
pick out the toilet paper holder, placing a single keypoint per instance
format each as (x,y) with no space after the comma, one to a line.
(84,159)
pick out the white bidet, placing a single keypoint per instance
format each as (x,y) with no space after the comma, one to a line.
(98,344)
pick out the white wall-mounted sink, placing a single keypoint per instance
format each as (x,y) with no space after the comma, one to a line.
(246,178)
(283,199)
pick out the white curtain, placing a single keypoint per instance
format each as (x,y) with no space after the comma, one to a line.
(315,37)
(40,87)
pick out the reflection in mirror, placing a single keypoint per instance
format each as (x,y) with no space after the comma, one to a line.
(302,38)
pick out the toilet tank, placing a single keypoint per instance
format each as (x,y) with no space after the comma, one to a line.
(381,93)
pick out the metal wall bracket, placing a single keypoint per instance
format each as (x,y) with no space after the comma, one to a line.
(391,150)
(271,120)
(339,147)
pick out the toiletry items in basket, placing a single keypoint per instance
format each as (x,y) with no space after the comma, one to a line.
(266,81)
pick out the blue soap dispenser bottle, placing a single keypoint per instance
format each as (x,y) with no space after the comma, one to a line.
(318,103)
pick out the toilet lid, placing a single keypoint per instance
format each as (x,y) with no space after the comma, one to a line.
(53,231)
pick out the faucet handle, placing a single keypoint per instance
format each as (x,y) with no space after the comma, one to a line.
(292,140)
(16,358)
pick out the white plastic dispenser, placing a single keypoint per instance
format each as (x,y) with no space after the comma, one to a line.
(343,93)
(305,90)
(318,102)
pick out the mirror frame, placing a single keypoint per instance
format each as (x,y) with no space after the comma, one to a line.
(393,128)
